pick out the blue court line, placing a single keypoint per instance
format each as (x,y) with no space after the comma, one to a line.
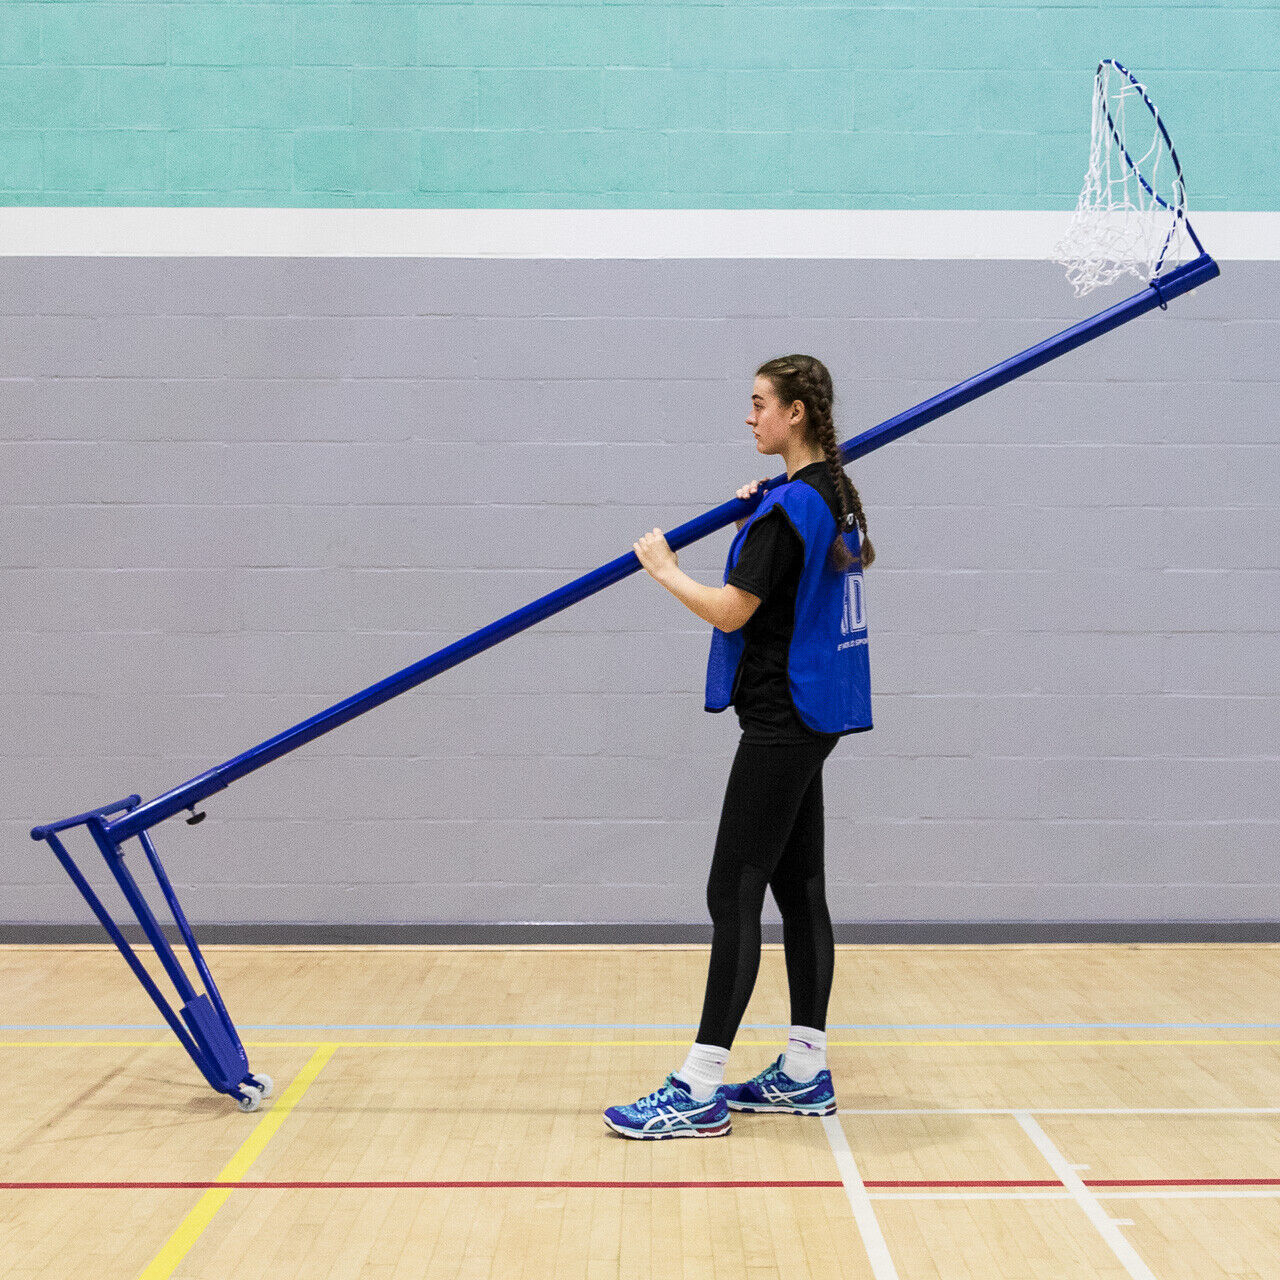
(659,1026)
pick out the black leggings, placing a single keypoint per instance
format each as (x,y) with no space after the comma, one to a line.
(771,830)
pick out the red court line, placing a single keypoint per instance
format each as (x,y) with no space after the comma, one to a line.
(499,1184)
(410,1185)
(1184,1182)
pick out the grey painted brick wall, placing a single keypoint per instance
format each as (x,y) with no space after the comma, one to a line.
(237,490)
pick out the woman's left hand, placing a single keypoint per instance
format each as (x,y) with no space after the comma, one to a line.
(657,557)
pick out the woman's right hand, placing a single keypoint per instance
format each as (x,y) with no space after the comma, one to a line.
(745,492)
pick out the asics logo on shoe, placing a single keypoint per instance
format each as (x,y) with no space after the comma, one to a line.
(775,1093)
(671,1118)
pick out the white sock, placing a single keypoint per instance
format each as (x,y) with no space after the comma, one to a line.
(703,1070)
(806,1053)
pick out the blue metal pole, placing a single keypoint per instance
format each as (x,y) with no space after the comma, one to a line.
(186,796)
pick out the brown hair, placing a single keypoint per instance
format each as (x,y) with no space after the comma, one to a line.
(806,379)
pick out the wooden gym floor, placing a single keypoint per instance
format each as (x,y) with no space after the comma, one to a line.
(1013,1111)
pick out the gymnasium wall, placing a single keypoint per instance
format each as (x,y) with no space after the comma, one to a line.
(242,481)
(615,105)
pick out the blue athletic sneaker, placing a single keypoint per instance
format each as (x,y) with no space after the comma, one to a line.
(670,1112)
(774,1090)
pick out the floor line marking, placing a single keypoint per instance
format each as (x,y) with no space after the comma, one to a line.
(1107,1228)
(1011,1185)
(499,1184)
(920,1194)
(660,1026)
(526,1044)
(190,1229)
(1209,1193)
(1059,1111)
(1193,1193)
(864,1215)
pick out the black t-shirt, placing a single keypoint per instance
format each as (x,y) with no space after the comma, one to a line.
(769,566)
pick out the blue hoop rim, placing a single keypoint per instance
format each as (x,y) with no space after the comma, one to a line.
(1129,160)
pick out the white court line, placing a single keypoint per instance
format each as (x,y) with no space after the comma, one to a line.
(1124,1251)
(863,1214)
(1192,1193)
(929,1196)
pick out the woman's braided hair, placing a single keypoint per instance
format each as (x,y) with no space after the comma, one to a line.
(806,379)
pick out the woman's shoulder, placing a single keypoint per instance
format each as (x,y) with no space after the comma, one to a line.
(770,523)
(813,493)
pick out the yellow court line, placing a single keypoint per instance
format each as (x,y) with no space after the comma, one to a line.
(831,1044)
(588,1044)
(192,1226)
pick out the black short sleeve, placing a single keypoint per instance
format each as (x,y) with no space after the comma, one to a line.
(772,548)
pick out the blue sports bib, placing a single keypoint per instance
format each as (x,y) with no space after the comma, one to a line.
(828,666)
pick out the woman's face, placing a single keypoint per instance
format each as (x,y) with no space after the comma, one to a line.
(772,422)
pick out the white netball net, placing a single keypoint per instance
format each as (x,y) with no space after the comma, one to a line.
(1131,214)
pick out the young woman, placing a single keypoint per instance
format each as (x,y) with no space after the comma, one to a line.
(789,650)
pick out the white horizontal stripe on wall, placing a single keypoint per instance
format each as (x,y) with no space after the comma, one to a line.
(578,233)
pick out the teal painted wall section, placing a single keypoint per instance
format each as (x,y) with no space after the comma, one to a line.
(616,105)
